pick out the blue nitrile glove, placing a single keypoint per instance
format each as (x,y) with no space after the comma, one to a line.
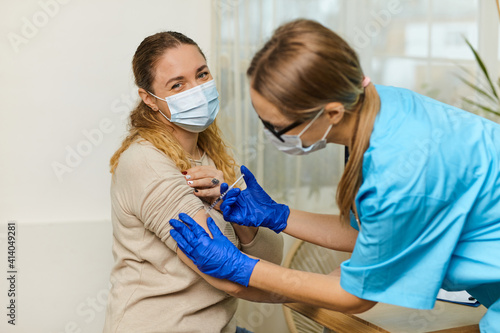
(253,207)
(217,257)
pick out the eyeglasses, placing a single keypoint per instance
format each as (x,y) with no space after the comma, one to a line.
(278,134)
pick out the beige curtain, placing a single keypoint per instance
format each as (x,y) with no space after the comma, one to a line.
(241,28)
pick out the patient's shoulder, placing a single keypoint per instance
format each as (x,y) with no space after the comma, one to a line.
(143,157)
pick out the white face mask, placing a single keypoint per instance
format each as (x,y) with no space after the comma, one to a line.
(293,143)
(194,109)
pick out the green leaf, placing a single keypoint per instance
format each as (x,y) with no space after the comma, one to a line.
(465,70)
(482,107)
(479,90)
(473,78)
(483,68)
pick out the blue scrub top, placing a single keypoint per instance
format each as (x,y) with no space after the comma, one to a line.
(429,206)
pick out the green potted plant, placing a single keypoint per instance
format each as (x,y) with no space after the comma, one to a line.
(488,91)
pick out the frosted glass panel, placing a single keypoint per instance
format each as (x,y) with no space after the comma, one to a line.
(416,37)
(401,72)
(452,21)
(449,88)
(408,9)
(324,11)
(446,9)
(439,80)
(403,27)
(448,39)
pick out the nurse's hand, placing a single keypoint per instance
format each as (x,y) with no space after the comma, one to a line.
(253,207)
(217,257)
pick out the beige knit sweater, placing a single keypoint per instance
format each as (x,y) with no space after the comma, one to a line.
(152,289)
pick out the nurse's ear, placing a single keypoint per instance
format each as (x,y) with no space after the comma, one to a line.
(148,99)
(334,112)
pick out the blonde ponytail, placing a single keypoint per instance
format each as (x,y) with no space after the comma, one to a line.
(353,173)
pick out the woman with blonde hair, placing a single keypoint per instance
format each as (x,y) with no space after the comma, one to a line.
(173,160)
(422,185)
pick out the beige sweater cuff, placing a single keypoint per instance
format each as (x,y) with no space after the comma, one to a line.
(266,245)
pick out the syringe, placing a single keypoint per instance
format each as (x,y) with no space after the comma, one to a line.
(223,194)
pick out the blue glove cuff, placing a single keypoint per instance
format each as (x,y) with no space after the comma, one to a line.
(281,219)
(243,273)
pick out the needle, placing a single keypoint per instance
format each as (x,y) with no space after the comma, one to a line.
(223,195)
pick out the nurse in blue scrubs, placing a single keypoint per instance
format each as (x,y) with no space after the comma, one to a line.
(419,199)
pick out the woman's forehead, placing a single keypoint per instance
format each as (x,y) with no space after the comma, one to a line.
(179,61)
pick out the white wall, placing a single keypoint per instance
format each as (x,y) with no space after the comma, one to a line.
(71,76)
(66,85)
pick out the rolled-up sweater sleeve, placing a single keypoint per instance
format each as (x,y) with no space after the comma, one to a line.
(159,190)
(266,245)
(163,200)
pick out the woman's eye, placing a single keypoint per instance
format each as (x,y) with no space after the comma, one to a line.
(176,86)
(202,75)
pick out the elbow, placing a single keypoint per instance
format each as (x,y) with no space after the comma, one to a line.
(236,290)
(360,306)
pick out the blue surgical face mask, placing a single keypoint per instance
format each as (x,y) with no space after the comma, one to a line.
(194,109)
(293,144)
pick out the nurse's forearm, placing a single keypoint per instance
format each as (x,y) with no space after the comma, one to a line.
(321,229)
(235,289)
(315,289)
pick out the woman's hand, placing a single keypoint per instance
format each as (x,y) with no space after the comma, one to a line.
(253,207)
(215,256)
(205,180)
